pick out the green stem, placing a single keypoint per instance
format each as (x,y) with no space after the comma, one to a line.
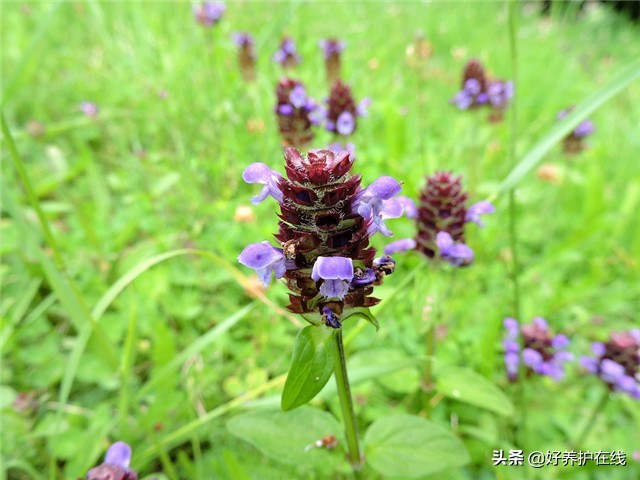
(346,402)
(513,226)
(591,422)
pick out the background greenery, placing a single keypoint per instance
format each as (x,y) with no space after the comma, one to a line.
(148,190)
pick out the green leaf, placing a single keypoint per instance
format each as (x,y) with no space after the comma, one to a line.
(287,436)
(470,387)
(412,447)
(311,366)
(559,130)
(366,314)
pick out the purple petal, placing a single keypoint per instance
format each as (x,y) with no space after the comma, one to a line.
(119,454)
(383,188)
(363,278)
(512,362)
(511,325)
(611,371)
(332,268)
(531,358)
(400,246)
(462,100)
(590,364)
(370,203)
(510,346)
(345,124)
(298,96)
(261,173)
(458,255)
(560,341)
(334,289)
(264,259)
(410,209)
(626,384)
(363,107)
(444,241)
(540,323)
(481,208)
(472,86)
(598,349)
(331,319)
(89,109)
(585,129)
(285,109)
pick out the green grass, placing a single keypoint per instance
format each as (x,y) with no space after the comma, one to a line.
(151,177)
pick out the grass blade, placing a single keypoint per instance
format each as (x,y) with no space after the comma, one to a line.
(559,130)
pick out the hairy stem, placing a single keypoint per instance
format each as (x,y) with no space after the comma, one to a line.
(346,402)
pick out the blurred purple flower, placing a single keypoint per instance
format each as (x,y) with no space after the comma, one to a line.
(287,55)
(617,362)
(440,216)
(209,13)
(90,109)
(541,352)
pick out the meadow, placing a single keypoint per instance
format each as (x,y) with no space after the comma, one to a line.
(127,317)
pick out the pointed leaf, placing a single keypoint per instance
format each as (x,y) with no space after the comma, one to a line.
(311,366)
(470,387)
(412,447)
(366,314)
(288,437)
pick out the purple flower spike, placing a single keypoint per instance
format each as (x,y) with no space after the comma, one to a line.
(400,246)
(346,124)
(370,203)
(261,173)
(458,254)
(480,208)
(337,273)
(264,259)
